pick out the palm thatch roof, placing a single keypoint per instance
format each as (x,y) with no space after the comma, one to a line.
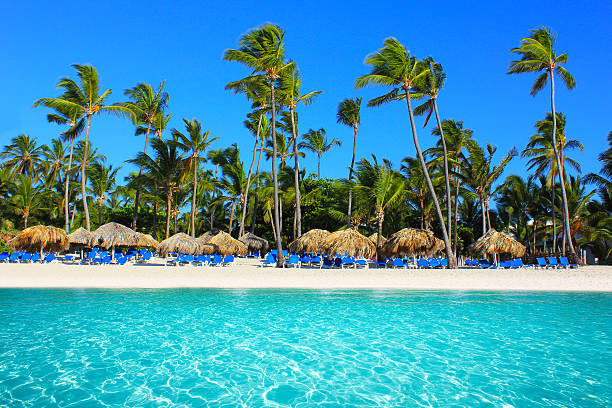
(40,238)
(147,241)
(412,241)
(494,242)
(254,243)
(79,238)
(113,235)
(207,249)
(374,238)
(181,243)
(348,241)
(207,236)
(225,244)
(309,241)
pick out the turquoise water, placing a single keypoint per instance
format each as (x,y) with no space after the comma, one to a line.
(256,348)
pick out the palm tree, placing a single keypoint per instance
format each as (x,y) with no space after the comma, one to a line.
(519,199)
(542,156)
(316,142)
(71,118)
(263,50)
(233,181)
(416,191)
(349,114)
(55,154)
(102,181)
(196,142)
(377,188)
(393,66)
(430,86)
(85,97)
(23,156)
(290,83)
(166,168)
(27,198)
(538,55)
(146,105)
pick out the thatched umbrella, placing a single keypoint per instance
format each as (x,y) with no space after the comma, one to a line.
(181,243)
(111,235)
(348,241)
(412,241)
(225,244)
(494,242)
(79,238)
(254,243)
(374,239)
(309,241)
(40,238)
(207,236)
(147,241)
(207,249)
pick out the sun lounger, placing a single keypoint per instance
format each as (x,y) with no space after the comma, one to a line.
(434,263)
(270,260)
(217,260)
(4,257)
(348,262)
(361,263)
(292,261)
(305,260)
(228,260)
(315,261)
(552,262)
(338,262)
(122,260)
(327,263)
(25,258)
(484,263)
(49,258)
(542,263)
(563,262)
(422,263)
(398,263)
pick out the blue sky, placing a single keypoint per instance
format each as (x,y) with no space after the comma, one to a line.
(183,43)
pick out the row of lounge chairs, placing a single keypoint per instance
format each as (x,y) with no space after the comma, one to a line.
(317,261)
(544,263)
(201,260)
(25,257)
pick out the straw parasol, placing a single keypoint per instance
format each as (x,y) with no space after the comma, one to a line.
(225,244)
(147,241)
(374,238)
(207,236)
(79,238)
(254,243)
(113,235)
(309,241)
(181,243)
(348,241)
(412,241)
(40,238)
(494,242)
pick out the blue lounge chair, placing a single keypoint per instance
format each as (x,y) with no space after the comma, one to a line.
(422,263)
(315,261)
(270,260)
(305,260)
(122,260)
(25,258)
(292,261)
(338,262)
(552,262)
(199,260)
(185,260)
(49,258)
(14,257)
(228,260)
(4,257)
(565,263)
(35,257)
(361,263)
(327,263)
(348,262)
(217,260)
(542,263)
(256,254)
(484,263)
(398,263)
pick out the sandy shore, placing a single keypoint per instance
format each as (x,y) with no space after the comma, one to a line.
(248,274)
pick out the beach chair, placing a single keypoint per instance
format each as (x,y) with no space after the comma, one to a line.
(293,261)
(305,260)
(35,257)
(383,264)
(106,260)
(327,263)
(398,263)
(337,262)
(347,262)
(565,263)
(361,263)
(270,260)
(443,262)
(552,262)
(88,258)
(68,259)
(185,260)
(422,264)
(228,260)
(434,263)
(122,260)
(14,257)
(484,263)
(25,258)
(4,257)
(315,261)
(542,263)
(216,260)
(146,256)
(199,260)
(49,258)
(256,254)
(169,262)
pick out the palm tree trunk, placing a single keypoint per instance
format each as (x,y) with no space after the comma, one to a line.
(168,204)
(449,254)
(296,171)
(66,186)
(488,213)
(566,223)
(350,198)
(193,196)
(446,177)
(256,199)
(137,197)
(99,214)
(380,217)
(83,178)
(231,220)
(279,245)
(484,216)
(456,214)
(319,165)
(155,219)
(248,183)
(554,219)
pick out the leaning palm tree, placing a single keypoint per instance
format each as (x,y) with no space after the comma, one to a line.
(145,104)
(194,142)
(23,156)
(393,66)
(430,86)
(538,55)
(102,180)
(87,98)
(263,50)
(349,115)
(316,142)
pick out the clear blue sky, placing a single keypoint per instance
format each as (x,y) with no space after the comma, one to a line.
(183,43)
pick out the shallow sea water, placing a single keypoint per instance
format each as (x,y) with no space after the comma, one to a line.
(303,348)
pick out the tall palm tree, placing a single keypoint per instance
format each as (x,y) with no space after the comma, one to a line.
(393,66)
(538,55)
(73,119)
(23,156)
(234,181)
(194,142)
(167,168)
(102,180)
(146,104)
(377,188)
(27,198)
(316,142)
(55,154)
(430,86)
(349,114)
(290,83)
(263,50)
(542,156)
(87,98)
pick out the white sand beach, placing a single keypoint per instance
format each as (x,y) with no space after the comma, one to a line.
(247,273)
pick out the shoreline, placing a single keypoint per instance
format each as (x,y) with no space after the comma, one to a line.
(246,274)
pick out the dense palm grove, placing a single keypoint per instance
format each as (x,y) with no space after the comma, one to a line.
(458,188)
